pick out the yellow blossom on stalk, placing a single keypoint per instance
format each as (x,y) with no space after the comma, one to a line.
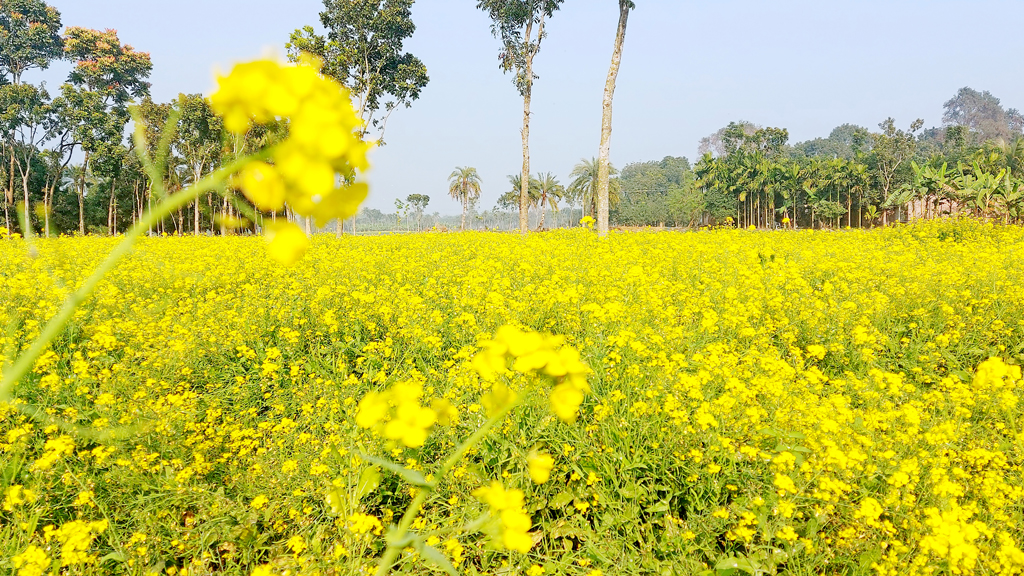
(53,450)
(16,495)
(32,562)
(993,373)
(565,400)
(263,185)
(816,351)
(455,550)
(297,544)
(788,534)
(263,570)
(410,424)
(409,421)
(286,242)
(536,354)
(313,169)
(952,537)
(359,523)
(508,506)
(372,409)
(870,510)
(540,465)
(785,484)
(75,539)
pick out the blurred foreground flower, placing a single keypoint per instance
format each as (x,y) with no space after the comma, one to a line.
(313,171)
(533,353)
(507,505)
(540,466)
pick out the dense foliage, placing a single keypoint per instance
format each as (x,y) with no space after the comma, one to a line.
(752,176)
(800,403)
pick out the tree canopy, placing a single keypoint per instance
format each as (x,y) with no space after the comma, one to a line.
(364,51)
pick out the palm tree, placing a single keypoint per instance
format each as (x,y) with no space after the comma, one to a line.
(464,185)
(533,192)
(550,192)
(585,182)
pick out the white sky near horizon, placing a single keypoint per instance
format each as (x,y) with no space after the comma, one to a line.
(688,69)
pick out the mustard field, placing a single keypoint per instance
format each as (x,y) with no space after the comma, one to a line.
(752,403)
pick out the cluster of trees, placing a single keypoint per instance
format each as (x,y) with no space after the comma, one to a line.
(41,133)
(971,165)
(67,165)
(520,25)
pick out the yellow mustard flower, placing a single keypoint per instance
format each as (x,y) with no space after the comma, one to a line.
(540,465)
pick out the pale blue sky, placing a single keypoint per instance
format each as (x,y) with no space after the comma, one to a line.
(688,69)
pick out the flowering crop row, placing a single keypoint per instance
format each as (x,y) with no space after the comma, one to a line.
(759,402)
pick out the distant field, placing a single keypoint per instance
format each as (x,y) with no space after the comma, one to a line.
(762,402)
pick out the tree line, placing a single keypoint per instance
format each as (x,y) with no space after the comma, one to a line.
(971,165)
(67,165)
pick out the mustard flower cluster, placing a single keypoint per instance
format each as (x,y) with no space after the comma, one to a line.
(797,402)
(507,506)
(314,169)
(536,354)
(540,466)
(398,413)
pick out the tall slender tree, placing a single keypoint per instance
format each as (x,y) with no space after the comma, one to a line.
(363,50)
(606,118)
(892,153)
(519,24)
(419,203)
(26,121)
(464,186)
(29,38)
(198,140)
(107,77)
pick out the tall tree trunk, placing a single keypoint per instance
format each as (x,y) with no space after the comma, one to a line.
(110,213)
(524,183)
(81,196)
(9,193)
(24,186)
(465,207)
(603,168)
(47,192)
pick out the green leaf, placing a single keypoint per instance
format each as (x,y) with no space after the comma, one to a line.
(409,539)
(435,557)
(869,557)
(659,507)
(413,477)
(735,564)
(369,480)
(113,556)
(629,491)
(561,500)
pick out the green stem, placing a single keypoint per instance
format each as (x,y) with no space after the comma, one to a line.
(391,554)
(169,204)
